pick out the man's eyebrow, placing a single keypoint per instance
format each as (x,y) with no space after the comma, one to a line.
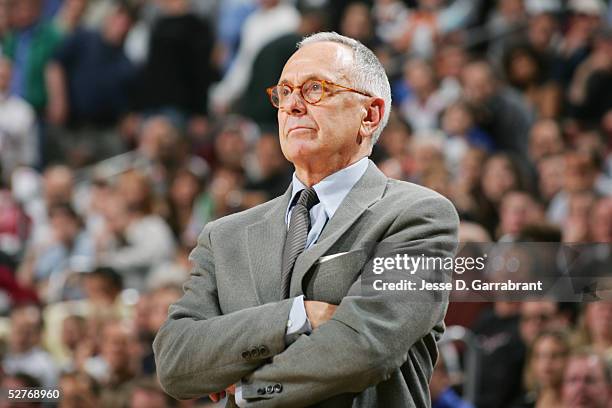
(320,77)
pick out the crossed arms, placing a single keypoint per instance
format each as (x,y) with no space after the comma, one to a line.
(200,351)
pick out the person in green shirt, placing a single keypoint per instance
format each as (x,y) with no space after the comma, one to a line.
(30,44)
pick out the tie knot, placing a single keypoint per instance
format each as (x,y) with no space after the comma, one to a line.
(308,198)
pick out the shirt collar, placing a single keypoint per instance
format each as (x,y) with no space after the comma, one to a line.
(332,189)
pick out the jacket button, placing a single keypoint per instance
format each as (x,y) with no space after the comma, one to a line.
(246,355)
(278,387)
(261,391)
(263,351)
(269,389)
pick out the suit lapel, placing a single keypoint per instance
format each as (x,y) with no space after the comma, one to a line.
(366,191)
(266,239)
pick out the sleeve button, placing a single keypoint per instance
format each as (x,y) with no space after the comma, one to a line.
(246,354)
(261,391)
(269,389)
(278,387)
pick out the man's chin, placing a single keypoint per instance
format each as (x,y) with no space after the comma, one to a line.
(303,151)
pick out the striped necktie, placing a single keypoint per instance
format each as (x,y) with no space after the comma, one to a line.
(299,225)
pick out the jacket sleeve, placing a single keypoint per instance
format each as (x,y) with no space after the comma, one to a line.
(199,350)
(369,336)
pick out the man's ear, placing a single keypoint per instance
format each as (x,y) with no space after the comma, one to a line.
(375,110)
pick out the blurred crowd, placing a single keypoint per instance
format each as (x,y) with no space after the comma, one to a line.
(125,126)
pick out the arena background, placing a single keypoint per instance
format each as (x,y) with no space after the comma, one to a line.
(126,126)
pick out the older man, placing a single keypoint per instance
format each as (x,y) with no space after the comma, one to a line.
(275,304)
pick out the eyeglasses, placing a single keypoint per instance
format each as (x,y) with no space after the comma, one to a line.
(312,91)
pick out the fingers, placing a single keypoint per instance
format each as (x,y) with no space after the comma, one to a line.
(217,396)
(318,312)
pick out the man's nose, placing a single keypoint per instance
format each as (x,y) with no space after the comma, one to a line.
(294,104)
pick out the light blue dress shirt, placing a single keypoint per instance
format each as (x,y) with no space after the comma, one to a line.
(331,192)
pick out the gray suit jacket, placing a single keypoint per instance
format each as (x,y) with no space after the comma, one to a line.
(376,351)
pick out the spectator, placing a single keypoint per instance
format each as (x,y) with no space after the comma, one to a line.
(426,155)
(586,380)
(273,170)
(178,71)
(25,354)
(544,139)
(56,187)
(231,144)
(550,172)
(18,140)
(231,16)
(73,331)
(148,394)
(89,86)
(431,20)
(272,19)
(503,355)
(156,150)
(160,300)
(70,15)
(543,378)
(136,238)
(543,35)
(501,113)
(190,207)
(575,228)
(525,71)
(592,85)
(390,18)
(30,44)
(15,226)
(500,174)
(440,387)
(538,317)
(458,123)
(594,330)
(584,19)
(580,173)
(600,221)
(268,65)
(504,26)
(449,61)
(52,265)
(102,287)
(357,23)
(517,209)
(78,390)
(466,189)
(4,20)
(425,103)
(118,352)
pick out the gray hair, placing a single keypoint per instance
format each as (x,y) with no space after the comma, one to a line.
(367,73)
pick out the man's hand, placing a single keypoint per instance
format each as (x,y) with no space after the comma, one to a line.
(318,312)
(218,396)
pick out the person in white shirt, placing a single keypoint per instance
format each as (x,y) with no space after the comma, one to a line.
(18,141)
(273,19)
